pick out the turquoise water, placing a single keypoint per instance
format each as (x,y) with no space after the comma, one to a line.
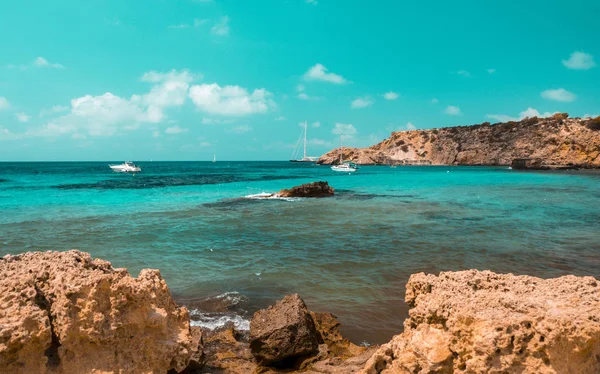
(225,256)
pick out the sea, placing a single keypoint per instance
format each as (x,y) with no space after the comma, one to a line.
(225,252)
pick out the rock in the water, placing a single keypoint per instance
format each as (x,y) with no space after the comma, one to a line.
(64,312)
(483,322)
(283,333)
(315,189)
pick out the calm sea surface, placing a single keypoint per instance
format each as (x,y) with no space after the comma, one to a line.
(224,255)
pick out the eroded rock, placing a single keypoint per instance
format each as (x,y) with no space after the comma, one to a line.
(314,189)
(64,312)
(283,333)
(483,322)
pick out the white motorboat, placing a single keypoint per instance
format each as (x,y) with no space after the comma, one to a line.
(346,167)
(126,167)
(305,158)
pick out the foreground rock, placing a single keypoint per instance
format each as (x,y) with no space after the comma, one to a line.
(283,333)
(64,312)
(556,141)
(315,189)
(483,322)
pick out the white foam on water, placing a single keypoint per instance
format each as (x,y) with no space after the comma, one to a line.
(217,321)
(270,196)
(233,297)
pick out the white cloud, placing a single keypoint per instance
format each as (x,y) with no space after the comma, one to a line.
(179,26)
(216,121)
(410,126)
(280,118)
(155,134)
(434,101)
(4,104)
(54,109)
(108,114)
(242,129)
(361,102)
(42,62)
(452,110)
(306,97)
(579,61)
(491,71)
(313,2)
(22,117)
(590,115)
(230,100)
(316,124)
(300,88)
(320,143)
(78,136)
(175,130)
(222,27)
(320,73)
(464,73)
(390,95)
(344,129)
(501,117)
(528,113)
(559,94)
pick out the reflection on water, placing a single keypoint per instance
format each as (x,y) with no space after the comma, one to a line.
(350,255)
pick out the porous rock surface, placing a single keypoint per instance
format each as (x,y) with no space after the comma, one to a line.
(283,333)
(483,322)
(556,141)
(64,312)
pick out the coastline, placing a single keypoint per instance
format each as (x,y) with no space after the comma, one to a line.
(466,320)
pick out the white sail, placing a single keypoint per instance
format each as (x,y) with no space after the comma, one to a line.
(304,158)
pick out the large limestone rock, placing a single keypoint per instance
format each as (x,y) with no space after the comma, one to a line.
(283,333)
(64,312)
(557,141)
(483,322)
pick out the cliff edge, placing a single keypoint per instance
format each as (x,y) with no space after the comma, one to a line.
(556,141)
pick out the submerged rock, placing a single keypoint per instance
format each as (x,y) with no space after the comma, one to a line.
(64,312)
(483,322)
(283,333)
(314,189)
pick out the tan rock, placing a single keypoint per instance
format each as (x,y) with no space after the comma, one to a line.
(483,322)
(63,312)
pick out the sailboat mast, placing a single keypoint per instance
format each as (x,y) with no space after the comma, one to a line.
(305,126)
(341,148)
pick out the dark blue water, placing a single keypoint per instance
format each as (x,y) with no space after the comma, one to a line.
(225,256)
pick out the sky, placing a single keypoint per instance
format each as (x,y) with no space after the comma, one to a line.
(189,79)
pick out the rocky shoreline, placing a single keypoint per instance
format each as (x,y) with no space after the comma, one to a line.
(556,142)
(64,312)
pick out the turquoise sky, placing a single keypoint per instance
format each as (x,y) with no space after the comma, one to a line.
(186,79)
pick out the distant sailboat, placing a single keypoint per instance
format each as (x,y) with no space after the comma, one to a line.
(304,157)
(214,158)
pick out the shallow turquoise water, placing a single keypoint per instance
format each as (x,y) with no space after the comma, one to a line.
(351,254)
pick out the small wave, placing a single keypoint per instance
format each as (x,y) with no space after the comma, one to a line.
(270,196)
(213,322)
(234,298)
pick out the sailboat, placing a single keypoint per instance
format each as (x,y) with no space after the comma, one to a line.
(347,167)
(214,158)
(304,158)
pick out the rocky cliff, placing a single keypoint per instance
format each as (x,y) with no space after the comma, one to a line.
(64,312)
(557,140)
(483,322)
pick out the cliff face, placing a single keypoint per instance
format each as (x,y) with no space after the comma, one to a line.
(557,140)
(483,322)
(63,312)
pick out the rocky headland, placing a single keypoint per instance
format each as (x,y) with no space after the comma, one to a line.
(64,312)
(554,142)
